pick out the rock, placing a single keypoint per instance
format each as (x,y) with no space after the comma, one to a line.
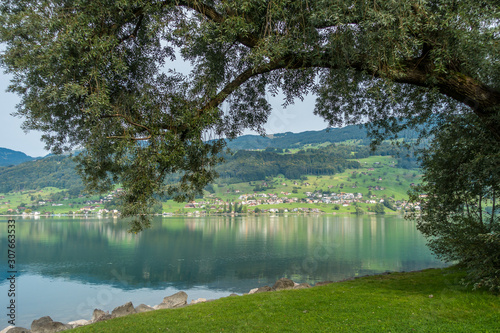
(199,300)
(323,283)
(143,308)
(78,323)
(123,310)
(283,283)
(47,325)
(161,306)
(263,289)
(104,317)
(100,315)
(233,294)
(176,300)
(13,329)
(302,286)
(252,291)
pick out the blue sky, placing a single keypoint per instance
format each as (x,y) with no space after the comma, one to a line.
(295,118)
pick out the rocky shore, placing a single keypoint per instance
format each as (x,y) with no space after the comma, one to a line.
(177,300)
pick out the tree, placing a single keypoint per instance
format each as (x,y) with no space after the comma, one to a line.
(379,209)
(459,199)
(387,203)
(91,74)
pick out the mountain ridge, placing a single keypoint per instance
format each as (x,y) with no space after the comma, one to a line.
(290,140)
(13,157)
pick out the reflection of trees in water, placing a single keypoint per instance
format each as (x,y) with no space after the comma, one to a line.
(218,251)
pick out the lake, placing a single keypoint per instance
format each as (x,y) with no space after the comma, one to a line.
(67,267)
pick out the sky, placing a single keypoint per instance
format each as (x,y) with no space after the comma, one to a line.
(295,118)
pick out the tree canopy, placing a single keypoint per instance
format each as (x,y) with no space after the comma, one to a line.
(459,199)
(98,75)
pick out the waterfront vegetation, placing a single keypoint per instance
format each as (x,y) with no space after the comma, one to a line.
(427,301)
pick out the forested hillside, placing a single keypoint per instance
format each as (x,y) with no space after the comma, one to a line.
(246,166)
(242,166)
(297,140)
(12,157)
(53,171)
(253,165)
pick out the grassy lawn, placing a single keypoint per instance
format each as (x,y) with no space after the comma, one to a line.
(426,301)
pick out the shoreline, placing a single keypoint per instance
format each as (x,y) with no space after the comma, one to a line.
(179,300)
(203,215)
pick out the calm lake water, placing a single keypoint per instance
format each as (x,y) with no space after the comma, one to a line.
(68,267)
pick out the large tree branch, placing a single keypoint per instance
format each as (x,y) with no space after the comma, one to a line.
(130,122)
(136,29)
(483,100)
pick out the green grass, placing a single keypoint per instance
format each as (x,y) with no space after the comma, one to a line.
(426,301)
(15,199)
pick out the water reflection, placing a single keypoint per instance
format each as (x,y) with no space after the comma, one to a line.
(71,266)
(190,251)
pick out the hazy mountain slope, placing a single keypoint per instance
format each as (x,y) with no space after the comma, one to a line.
(12,157)
(296,140)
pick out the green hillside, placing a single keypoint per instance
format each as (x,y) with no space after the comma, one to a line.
(299,179)
(12,157)
(52,171)
(298,140)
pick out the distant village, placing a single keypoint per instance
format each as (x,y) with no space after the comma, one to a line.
(247,203)
(91,206)
(260,200)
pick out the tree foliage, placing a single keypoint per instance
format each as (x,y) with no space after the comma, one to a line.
(459,199)
(98,75)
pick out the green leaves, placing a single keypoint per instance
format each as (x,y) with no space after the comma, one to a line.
(459,198)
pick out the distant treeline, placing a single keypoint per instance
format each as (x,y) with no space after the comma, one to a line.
(246,166)
(252,165)
(243,166)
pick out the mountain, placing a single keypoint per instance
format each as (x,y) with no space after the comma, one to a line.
(53,171)
(12,157)
(59,171)
(298,140)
